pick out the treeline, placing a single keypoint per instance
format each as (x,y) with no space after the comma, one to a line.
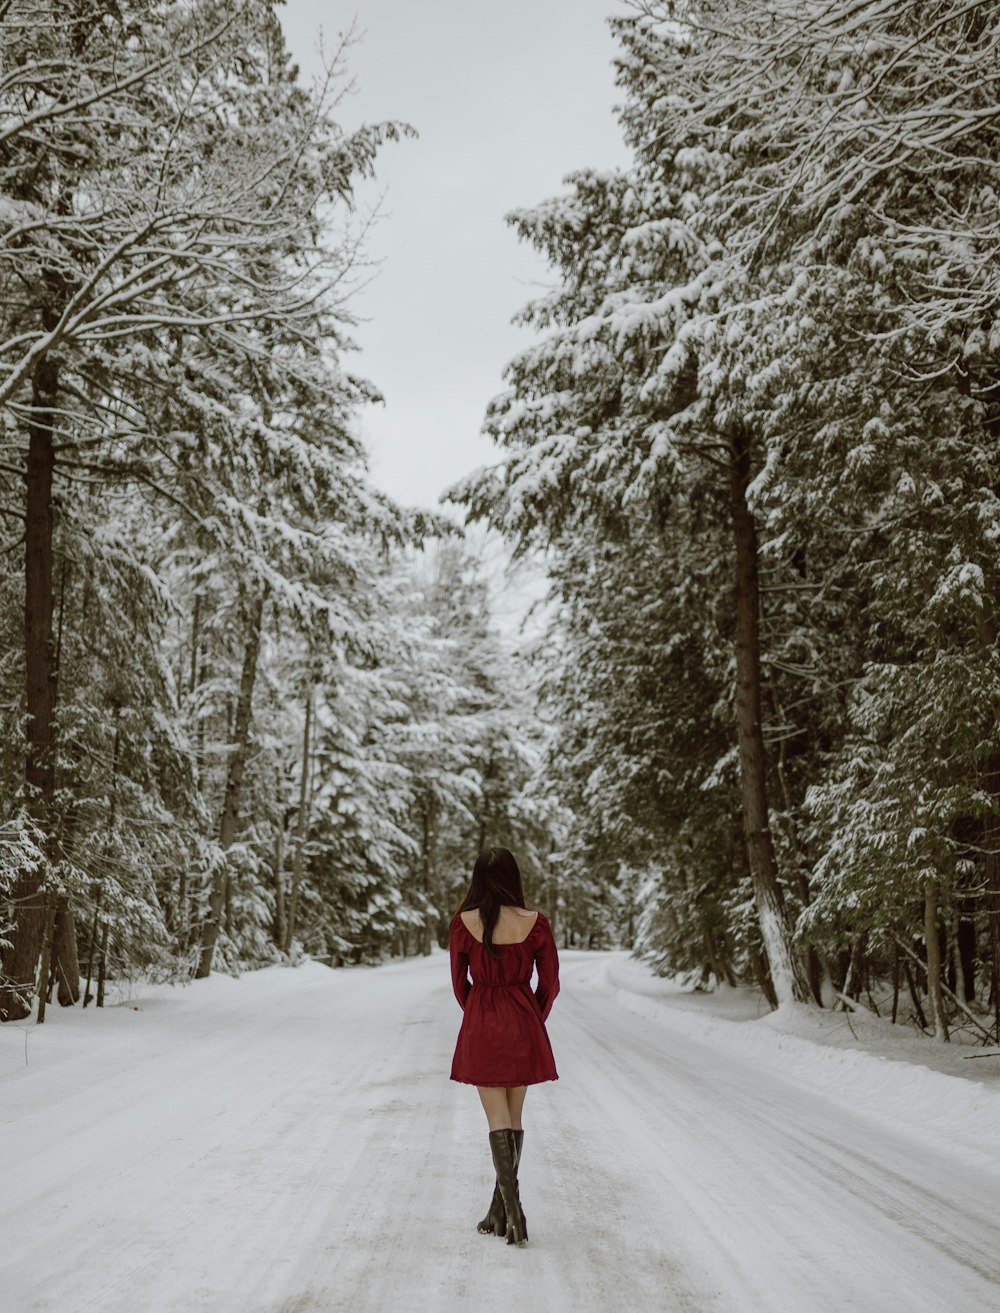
(760,441)
(242,713)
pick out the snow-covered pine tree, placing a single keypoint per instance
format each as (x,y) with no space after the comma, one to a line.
(868,140)
(189,223)
(627,408)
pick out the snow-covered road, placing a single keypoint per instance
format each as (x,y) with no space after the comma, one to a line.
(290,1143)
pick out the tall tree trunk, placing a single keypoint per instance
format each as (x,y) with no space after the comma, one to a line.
(234,786)
(750,736)
(112,823)
(934,995)
(814,966)
(991,845)
(46,972)
(301,828)
(66,958)
(102,966)
(28,896)
(280,918)
(990,636)
(196,676)
(965,943)
(92,949)
(990,840)
(914,989)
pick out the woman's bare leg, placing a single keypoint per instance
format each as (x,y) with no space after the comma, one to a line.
(494,1101)
(515,1102)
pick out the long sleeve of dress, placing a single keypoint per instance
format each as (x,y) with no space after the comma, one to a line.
(459,970)
(547,963)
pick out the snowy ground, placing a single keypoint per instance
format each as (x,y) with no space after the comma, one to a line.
(290,1143)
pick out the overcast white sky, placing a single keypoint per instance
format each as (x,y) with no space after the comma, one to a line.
(508,97)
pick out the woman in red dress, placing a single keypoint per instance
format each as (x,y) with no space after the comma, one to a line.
(502,1046)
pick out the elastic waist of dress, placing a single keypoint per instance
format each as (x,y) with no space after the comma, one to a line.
(498,984)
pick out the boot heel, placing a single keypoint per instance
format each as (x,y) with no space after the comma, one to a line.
(495,1221)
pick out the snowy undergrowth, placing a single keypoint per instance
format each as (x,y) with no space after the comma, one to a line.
(893,1076)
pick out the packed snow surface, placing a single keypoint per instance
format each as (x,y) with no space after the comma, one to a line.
(290,1143)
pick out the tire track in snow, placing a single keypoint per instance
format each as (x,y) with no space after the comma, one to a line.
(803,1203)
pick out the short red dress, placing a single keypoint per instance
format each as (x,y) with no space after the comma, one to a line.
(503,1040)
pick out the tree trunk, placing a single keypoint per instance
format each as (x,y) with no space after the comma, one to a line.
(965,943)
(852,979)
(814,964)
(102,966)
(934,995)
(992,913)
(45,972)
(227,918)
(279,883)
(301,829)
(750,736)
(991,830)
(911,985)
(991,843)
(234,787)
(21,959)
(92,950)
(66,959)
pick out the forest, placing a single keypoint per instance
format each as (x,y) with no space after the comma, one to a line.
(252,709)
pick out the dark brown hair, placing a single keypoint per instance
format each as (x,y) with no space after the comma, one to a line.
(496,883)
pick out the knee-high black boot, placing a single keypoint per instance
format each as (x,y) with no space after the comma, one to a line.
(502,1146)
(495,1221)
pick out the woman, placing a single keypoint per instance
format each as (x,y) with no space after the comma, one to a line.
(502,1046)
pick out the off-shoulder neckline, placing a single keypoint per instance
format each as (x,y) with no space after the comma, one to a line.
(517,944)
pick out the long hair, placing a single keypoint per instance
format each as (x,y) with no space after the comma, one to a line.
(496,882)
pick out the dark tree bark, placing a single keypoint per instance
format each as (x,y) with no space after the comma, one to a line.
(946,947)
(46,966)
(813,963)
(993,913)
(280,915)
(934,995)
(911,985)
(21,959)
(65,956)
(92,948)
(991,849)
(102,966)
(301,829)
(750,736)
(965,941)
(112,822)
(234,786)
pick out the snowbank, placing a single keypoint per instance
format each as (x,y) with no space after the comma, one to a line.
(816,1051)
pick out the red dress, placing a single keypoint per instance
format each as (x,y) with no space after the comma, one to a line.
(503,1040)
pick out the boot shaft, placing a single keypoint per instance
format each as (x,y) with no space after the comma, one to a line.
(503,1149)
